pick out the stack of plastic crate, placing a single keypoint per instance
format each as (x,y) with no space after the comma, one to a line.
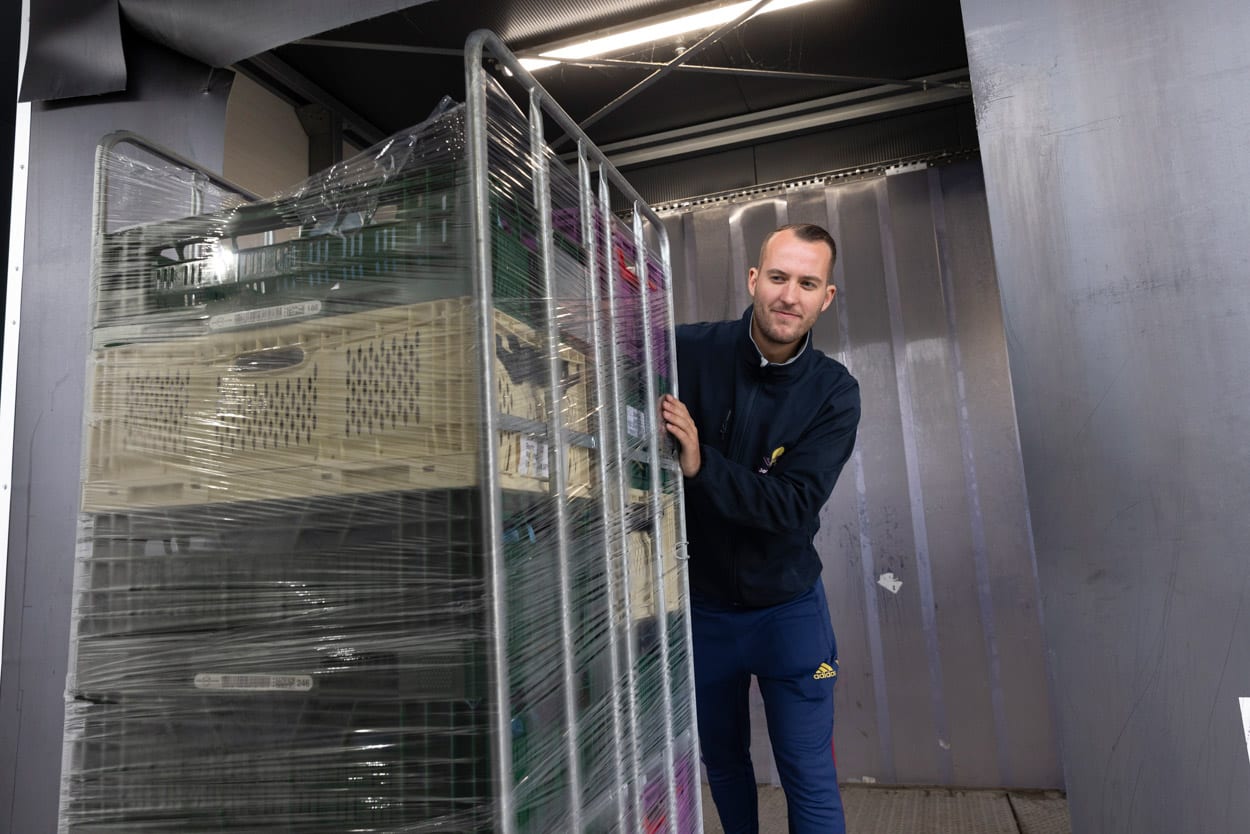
(305,599)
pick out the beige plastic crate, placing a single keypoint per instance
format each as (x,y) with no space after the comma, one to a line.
(642,583)
(377,400)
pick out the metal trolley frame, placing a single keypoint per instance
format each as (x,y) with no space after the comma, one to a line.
(599,236)
(591,164)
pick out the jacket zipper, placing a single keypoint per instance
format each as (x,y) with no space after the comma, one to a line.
(744,421)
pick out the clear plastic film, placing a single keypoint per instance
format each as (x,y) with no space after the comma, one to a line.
(285,610)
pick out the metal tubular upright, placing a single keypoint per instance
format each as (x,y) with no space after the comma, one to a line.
(682,554)
(619,496)
(609,516)
(657,538)
(597,232)
(558,451)
(492,494)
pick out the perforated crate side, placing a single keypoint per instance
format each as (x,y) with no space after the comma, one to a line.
(370,401)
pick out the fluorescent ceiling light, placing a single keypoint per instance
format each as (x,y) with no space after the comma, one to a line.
(656,30)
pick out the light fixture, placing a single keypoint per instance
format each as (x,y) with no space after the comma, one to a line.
(223,262)
(656,29)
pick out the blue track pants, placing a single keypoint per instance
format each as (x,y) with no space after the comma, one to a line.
(791,650)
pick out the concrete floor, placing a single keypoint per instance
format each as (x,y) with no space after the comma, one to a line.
(888,810)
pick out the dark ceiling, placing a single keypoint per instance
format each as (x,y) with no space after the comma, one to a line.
(390,83)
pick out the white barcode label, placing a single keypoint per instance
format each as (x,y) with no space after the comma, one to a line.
(264,315)
(254,683)
(534,458)
(635,421)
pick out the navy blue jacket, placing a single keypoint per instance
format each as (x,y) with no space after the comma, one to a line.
(752,510)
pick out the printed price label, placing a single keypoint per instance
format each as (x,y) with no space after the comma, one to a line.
(254,683)
(264,315)
(535,458)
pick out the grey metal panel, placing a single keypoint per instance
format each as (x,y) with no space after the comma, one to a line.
(892,628)
(1119,194)
(76,46)
(851,211)
(913,664)
(906,695)
(936,476)
(1028,752)
(227,31)
(964,705)
(718,289)
(972,487)
(75,49)
(749,224)
(171,102)
(863,749)
(675,225)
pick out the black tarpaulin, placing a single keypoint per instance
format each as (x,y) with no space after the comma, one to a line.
(75,46)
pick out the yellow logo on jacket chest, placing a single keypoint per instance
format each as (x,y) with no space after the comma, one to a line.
(769,460)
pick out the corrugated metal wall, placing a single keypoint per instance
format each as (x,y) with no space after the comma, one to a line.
(944,677)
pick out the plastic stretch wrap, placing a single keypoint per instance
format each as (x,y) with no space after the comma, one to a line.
(284,593)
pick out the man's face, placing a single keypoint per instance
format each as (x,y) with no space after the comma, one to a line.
(790,288)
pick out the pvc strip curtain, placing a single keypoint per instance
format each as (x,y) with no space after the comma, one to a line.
(928,560)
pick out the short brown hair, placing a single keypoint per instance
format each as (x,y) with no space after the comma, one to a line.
(809,233)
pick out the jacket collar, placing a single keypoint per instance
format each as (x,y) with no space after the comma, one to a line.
(750,353)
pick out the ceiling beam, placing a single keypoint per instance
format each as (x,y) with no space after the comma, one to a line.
(380,47)
(624,63)
(949,78)
(779,121)
(781,75)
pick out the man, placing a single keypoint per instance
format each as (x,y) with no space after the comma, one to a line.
(765,424)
